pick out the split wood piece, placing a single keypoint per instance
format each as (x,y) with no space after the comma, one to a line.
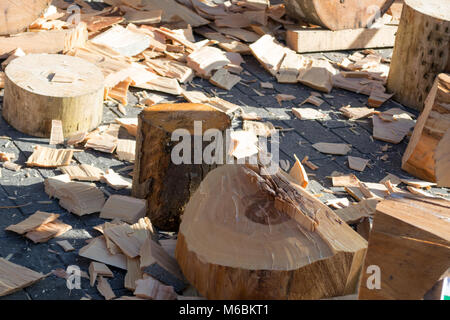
(104,288)
(356,113)
(420,192)
(171,187)
(313,100)
(224,79)
(349,180)
(288,72)
(32,222)
(52,41)
(52,184)
(20,14)
(96,250)
(423,29)
(410,239)
(171,69)
(130,124)
(114,180)
(269,53)
(392,132)
(122,236)
(65,245)
(56,132)
(162,84)
(14,277)
(309,164)
(77,103)
(339,15)
(195,96)
(226,43)
(356,163)
(157,262)
(318,75)
(49,158)
(284,97)
(241,34)
(48,231)
(332,148)
(153,289)
(367,190)
(80,198)
(119,91)
(125,208)
(98,23)
(236,61)
(338,203)
(418,183)
(366,86)
(11,166)
(157,42)
(222,105)
(76,138)
(13,55)
(98,269)
(83,172)
(6,157)
(239,199)
(377,98)
(392,178)
(134,273)
(355,212)
(2,80)
(104,143)
(262,129)
(243,144)
(110,245)
(427,148)
(320,40)
(207,59)
(141,17)
(126,150)
(298,173)
(363,228)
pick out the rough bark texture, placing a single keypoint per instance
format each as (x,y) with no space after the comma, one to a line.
(421,52)
(33,98)
(17,15)
(337,15)
(419,158)
(168,186)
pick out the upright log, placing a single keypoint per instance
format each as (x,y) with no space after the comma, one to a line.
(427,149)
(40,88)
(17,15)
(158,177)
(410,244)
(421,52)
(249,235)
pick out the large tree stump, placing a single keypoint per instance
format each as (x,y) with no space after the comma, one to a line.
(421,52)
(166,185)
(410,244)
(337,15)
(427,150)
(17,15)
(250,236)
(40,88)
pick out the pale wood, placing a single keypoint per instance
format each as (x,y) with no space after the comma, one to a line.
(420,158)
(114,180)
(355,212)
(442,157)
(125,208)
(126,149)
(32,222)
(175,11)
(80,198)
(104,288)
(308,113)
(356,163)
(16,16)
(82,172)
(98,269)
(49,157)
(207,59)
(47,231)
(65,244)
(30,87)
(134,273)
(299,174)
(224,79)
(409,242)
(96,250)
(14,277)
(424,30)
(332,148)
(356,113)
(345,181)
(240,214)
(153,289)
(393,131)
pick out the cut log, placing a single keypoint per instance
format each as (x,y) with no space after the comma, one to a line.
(35,95)
(14,277)
(410,243)
(167,186)
(424,30)
(427,149)
(308,252)
(337,15)
(16,16)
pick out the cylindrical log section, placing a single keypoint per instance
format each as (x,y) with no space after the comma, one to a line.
(17,15)
(246,235)
(421,52)
(337,15)
(420,158)
(40,88)
(171,157)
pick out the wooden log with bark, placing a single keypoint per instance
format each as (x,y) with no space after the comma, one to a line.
(17,15)
(410,244)
(246,234)
(428,153)
(421,52)
(40,88)
(166,185)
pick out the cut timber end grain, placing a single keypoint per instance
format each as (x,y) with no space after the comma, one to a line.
(356,163)
(153,289)
(82,172)
(345,181)
(56,133)
(105,289)
(97,250)
(308,113)
(223,79)
(14,277)
(80,198)
(332,148)
(49,158)
(47,231)
(126,149)
(125,208)
(207,59)
(114,180)
(298,173)
(263,129)
(66,245)
(98,269)
(32,222)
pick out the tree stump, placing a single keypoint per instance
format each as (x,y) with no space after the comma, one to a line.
(421,52)
(167,184)
(337,15)
(428,153)
(40,88)
(17,15)
(409,244)
(245,235)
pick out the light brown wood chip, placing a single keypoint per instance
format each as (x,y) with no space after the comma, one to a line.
(32,222)
(125,208)
(47,231)
(83,172)
(14,277)
(49,157)
(104,288)
(56,133)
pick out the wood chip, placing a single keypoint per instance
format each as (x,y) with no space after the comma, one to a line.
(298,173)
(98,269)
(96,250)
(48,231)
(153,289)
(309,164)
(76,138)
(224,79)
(114,180)
(80,198)
(418,183)
(392,132)
(356,163)
(82,172)
(126,150)
(207,59)
(355,212)
(66,245)
(284,97)
(32,222)
(263,129)
(392,178)
(14,277)
(125,208)
(11,166)
(345,181)
(356,113)
(104,288)
(56,133)
(313,100)
(134,273)
(308,114)
(338,203)
(49,158)
(5,156)
(332,148)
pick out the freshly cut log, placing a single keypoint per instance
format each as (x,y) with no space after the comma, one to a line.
(425,30)
(260,236)
(168,186)
(35,94)
(427,150)
(337,15)
(410,243)
(17,15)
